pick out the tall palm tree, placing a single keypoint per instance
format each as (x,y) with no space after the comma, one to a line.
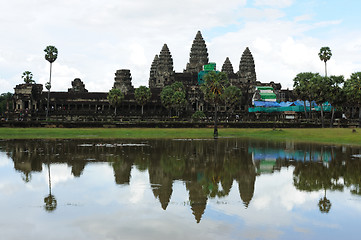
(115,97)
(142,95)
(325,55)
(51,54)
(213,88)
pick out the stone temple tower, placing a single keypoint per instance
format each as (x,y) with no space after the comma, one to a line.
(247,71)
(153,71)
(227,67)
(198,55)
(123,81)
(161,73)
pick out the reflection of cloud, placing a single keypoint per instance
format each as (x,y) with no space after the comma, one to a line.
(278,188)
(151,224)
(255,233)
(137,187)
(4,160)
(275,205)
(59,173)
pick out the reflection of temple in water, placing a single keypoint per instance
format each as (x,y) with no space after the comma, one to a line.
(208,168)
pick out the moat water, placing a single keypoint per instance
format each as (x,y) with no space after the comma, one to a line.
(178,189)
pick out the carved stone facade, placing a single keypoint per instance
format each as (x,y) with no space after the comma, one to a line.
(27,97)
(79,105)
(247,71)
(77,86)
(161,72)
(227,67)
(153,71)
(123,81)
(198,56)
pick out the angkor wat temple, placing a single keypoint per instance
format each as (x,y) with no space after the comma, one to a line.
(77,104)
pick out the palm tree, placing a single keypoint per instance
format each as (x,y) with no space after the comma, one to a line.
(115,97)
(28,77)
(174,96)
(325,55)
(232,96)
(213,88)
(51,54)
(142,95)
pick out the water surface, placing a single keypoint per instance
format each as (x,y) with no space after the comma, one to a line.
(177,189)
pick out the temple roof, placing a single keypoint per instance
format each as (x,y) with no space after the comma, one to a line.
(198,55)
(247,69)
(165,60)
(227,66)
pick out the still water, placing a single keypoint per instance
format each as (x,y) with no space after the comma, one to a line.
(178,189)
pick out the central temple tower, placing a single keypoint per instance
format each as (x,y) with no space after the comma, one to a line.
(198,55)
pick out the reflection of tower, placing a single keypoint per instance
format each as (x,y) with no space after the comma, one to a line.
(26,160)
(197,199)
(77,168)
(246,179)
(122,170)
(161,186)
(246,187)
(50,201)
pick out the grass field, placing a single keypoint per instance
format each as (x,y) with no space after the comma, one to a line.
(333,136)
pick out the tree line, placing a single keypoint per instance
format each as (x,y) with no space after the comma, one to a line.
(340,93)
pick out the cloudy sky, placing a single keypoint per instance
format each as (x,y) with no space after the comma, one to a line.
(95,38)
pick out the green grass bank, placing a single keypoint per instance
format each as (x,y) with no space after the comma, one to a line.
(327,135)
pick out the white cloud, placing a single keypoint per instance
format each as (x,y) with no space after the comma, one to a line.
(274,3)
(96,39)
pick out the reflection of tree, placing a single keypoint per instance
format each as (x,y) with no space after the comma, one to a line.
(324,204)
(50,200)
(208,168)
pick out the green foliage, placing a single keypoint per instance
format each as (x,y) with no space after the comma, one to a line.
(325,54)
(352,88)
(232,96)
(142,95)
(4,98)
(320,88)
(51,53)
(336,96)
(214,86)
(179,101)
(166,97)
(302,86)
(198,115)
(174,96)
(28,77)
(115,97)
